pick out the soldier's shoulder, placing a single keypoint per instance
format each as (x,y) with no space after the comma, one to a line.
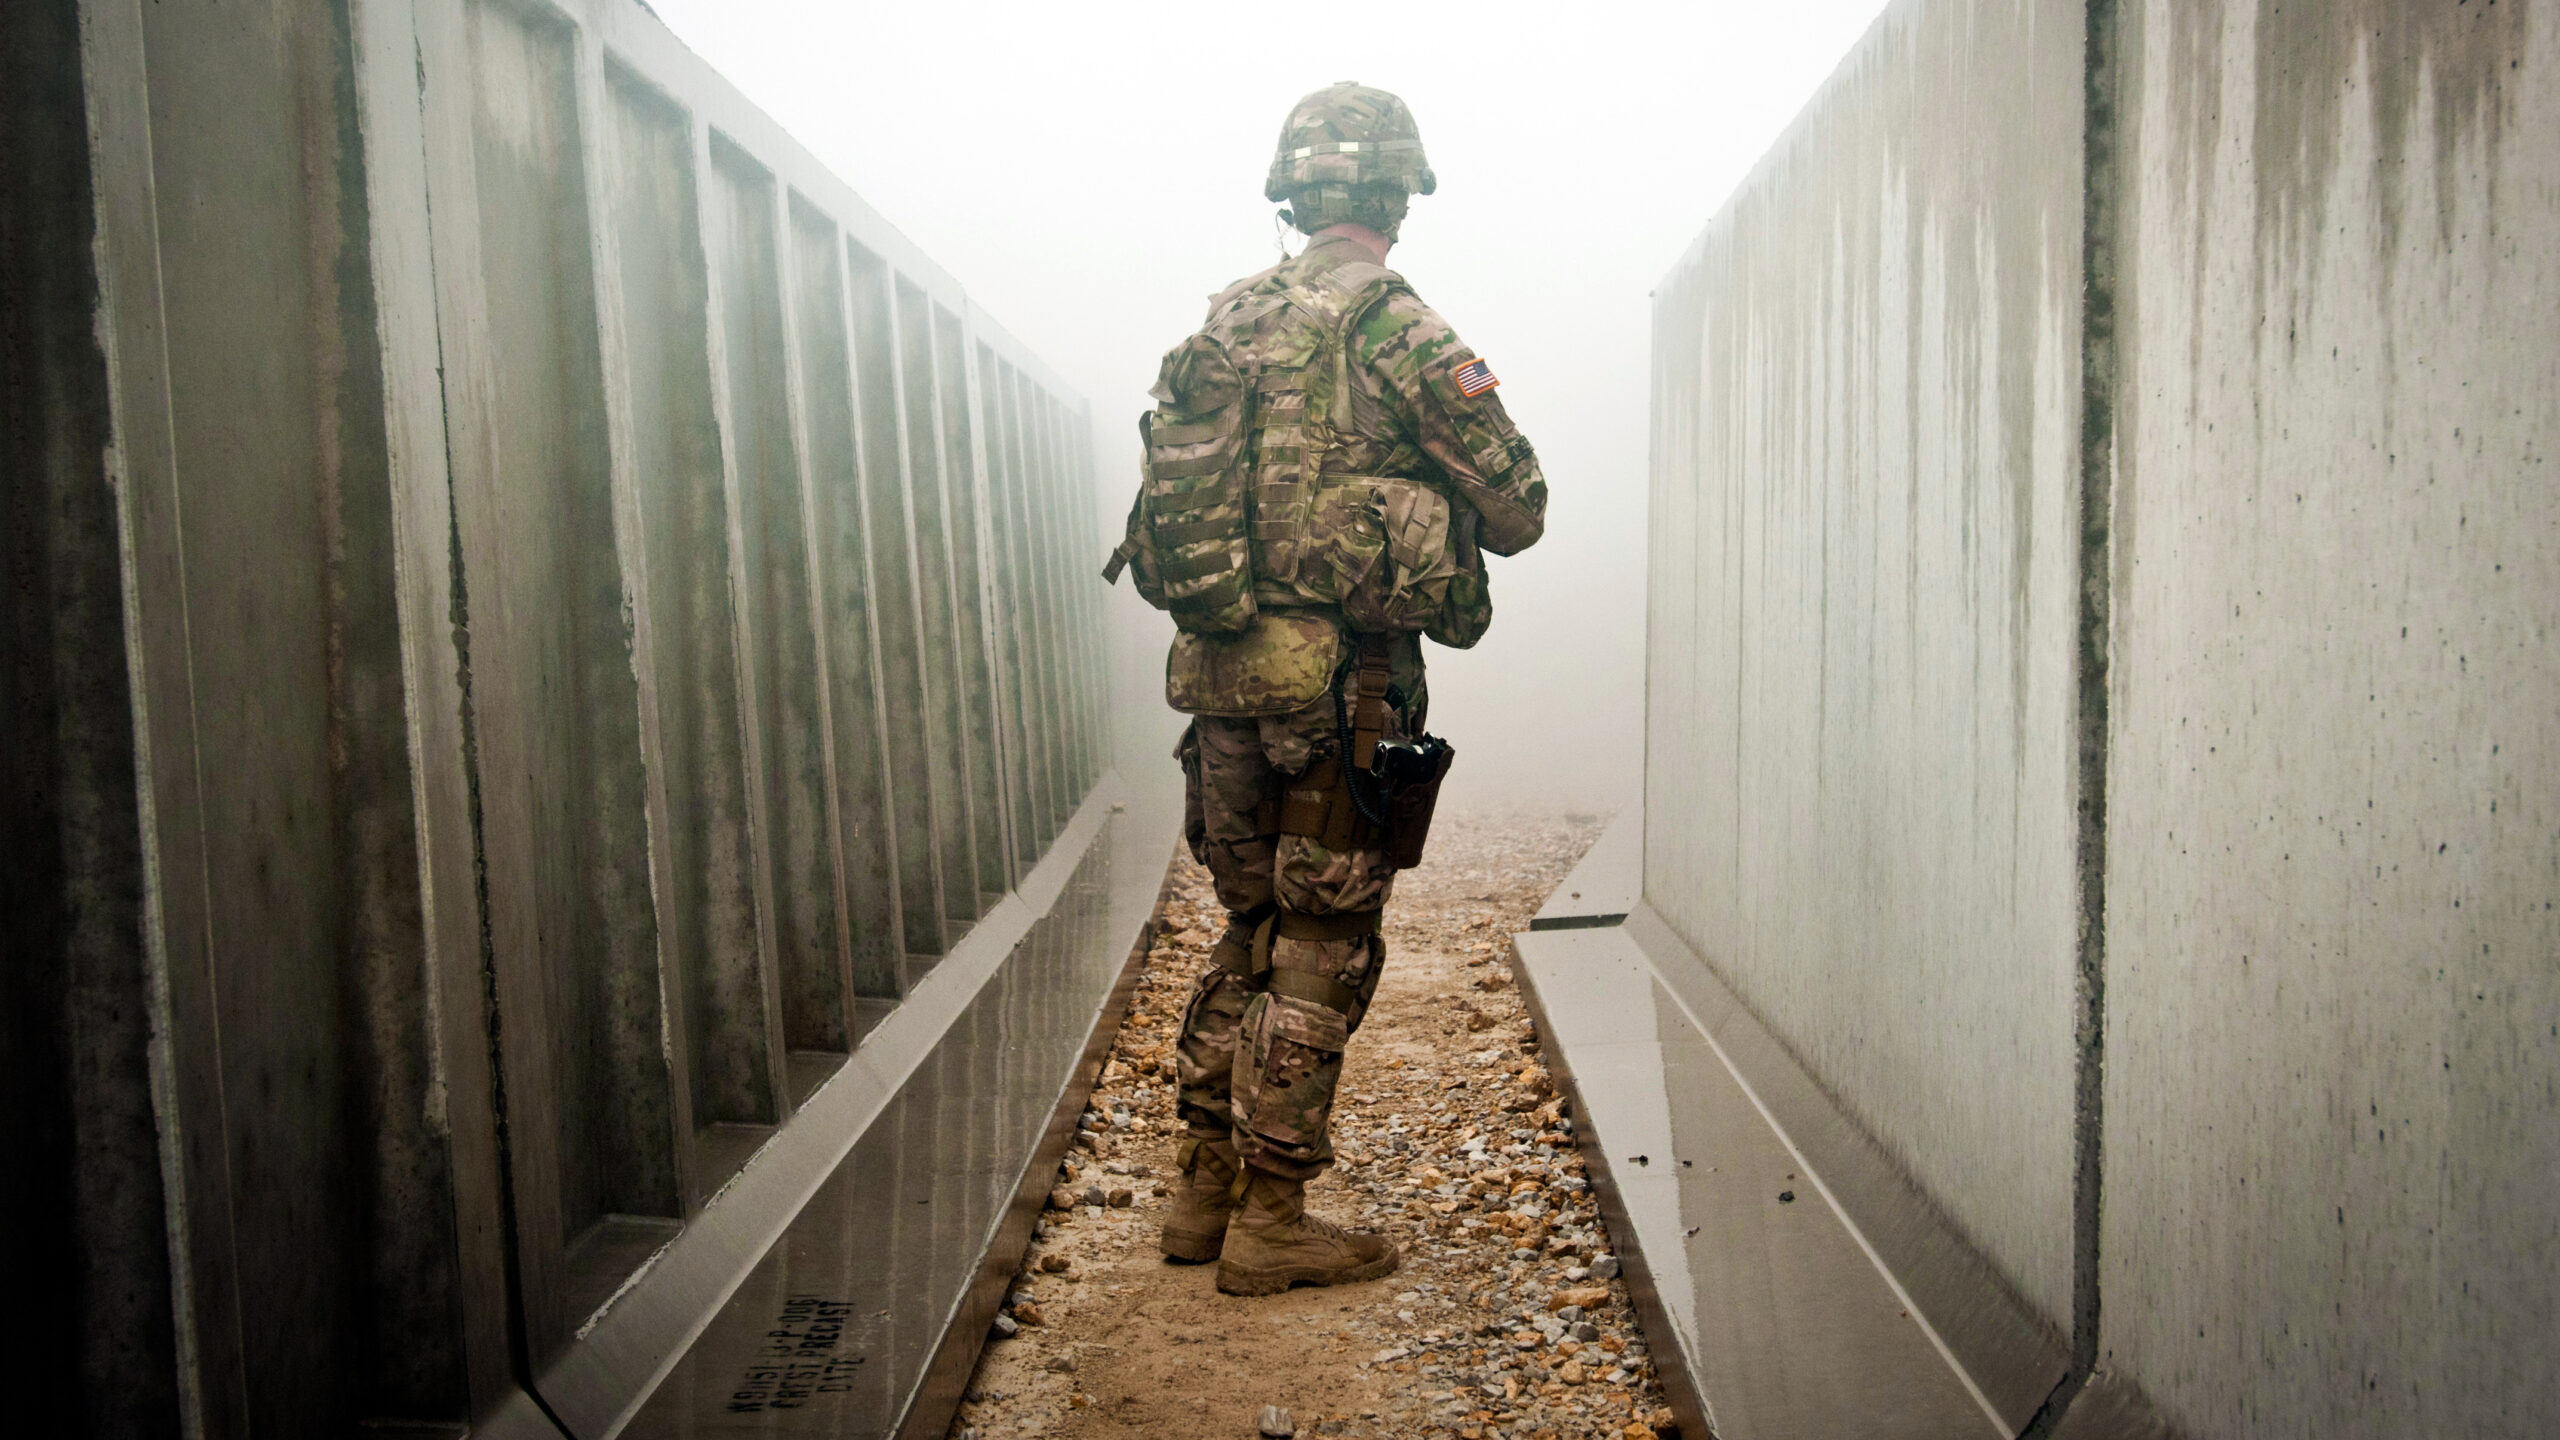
(1403,335)
(1225,297)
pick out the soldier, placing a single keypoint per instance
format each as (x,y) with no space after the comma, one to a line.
(1326,465)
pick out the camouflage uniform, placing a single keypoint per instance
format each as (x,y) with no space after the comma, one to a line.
(1266,1064)
(1325,469)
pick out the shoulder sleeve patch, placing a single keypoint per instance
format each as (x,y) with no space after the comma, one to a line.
(1474,378)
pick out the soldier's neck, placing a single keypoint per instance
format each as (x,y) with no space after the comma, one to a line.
(1361,235)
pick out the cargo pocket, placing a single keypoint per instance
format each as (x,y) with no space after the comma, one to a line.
(1205,1054)
(1286,1071)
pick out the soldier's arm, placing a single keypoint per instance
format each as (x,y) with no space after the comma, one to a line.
(1420,367)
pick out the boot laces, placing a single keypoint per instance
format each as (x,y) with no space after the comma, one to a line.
(1315,1224)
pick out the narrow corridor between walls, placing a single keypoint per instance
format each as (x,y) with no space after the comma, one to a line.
(1507,1318)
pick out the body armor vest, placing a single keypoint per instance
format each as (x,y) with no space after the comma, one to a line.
(1239,510)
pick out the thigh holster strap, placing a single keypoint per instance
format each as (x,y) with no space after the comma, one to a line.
(1290,925)
(1341,925)
(1313,988)
(1246,947)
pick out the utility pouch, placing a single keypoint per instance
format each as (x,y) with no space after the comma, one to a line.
(1386,551)
(1282,661)
(1466,608)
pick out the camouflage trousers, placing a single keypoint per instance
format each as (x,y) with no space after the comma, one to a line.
(1260,1065)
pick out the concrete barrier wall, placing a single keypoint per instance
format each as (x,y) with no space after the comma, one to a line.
(1859,790)
(2282,1166)
(2333,1008)
(537,625)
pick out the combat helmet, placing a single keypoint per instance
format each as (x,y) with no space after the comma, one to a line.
(1349,135)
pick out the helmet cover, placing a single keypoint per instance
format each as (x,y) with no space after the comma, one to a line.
(1349,135)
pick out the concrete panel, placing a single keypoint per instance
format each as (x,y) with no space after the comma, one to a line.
(673,464)
(2333,1028)
(841,578)
(1767,1314)
(892,1203)
(963,488)
(1080,533)
(1025,730)
(901,626)
(419,683)
(1044,705)
(82,1216)
(589,952)
(1058,573)
(306,919)
(946,730)
(790,717)
(1860,791)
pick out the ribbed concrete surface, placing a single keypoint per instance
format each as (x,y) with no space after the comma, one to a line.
(2333,1010)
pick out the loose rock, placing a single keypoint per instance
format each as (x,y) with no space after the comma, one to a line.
(1489,1201)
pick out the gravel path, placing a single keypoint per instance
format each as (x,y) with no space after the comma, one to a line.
(1505,1319)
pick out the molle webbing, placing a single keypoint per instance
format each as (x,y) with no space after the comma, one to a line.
(1298,380)
(1369,704)
(1248,408)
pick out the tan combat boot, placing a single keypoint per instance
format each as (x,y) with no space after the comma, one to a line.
(1274,1243)
(1196,1229)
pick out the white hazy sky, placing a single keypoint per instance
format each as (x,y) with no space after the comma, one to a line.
(1091,173)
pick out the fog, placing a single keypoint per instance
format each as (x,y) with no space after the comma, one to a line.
(1092,173)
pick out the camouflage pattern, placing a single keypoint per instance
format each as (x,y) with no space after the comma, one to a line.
(1189,535)
(1353,448)
(1283,662)
(1348,134)
(1264,1066)
(1399,420)
(1289,1058)
(1378,207)
(1369,489)
(1407,416)
(1376,482)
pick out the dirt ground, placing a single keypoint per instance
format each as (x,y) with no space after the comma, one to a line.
(1505,1319)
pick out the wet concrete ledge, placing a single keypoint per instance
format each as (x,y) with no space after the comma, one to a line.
(880,1226)
(1794,1281)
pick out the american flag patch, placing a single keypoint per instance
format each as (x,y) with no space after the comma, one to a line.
(1474,378)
